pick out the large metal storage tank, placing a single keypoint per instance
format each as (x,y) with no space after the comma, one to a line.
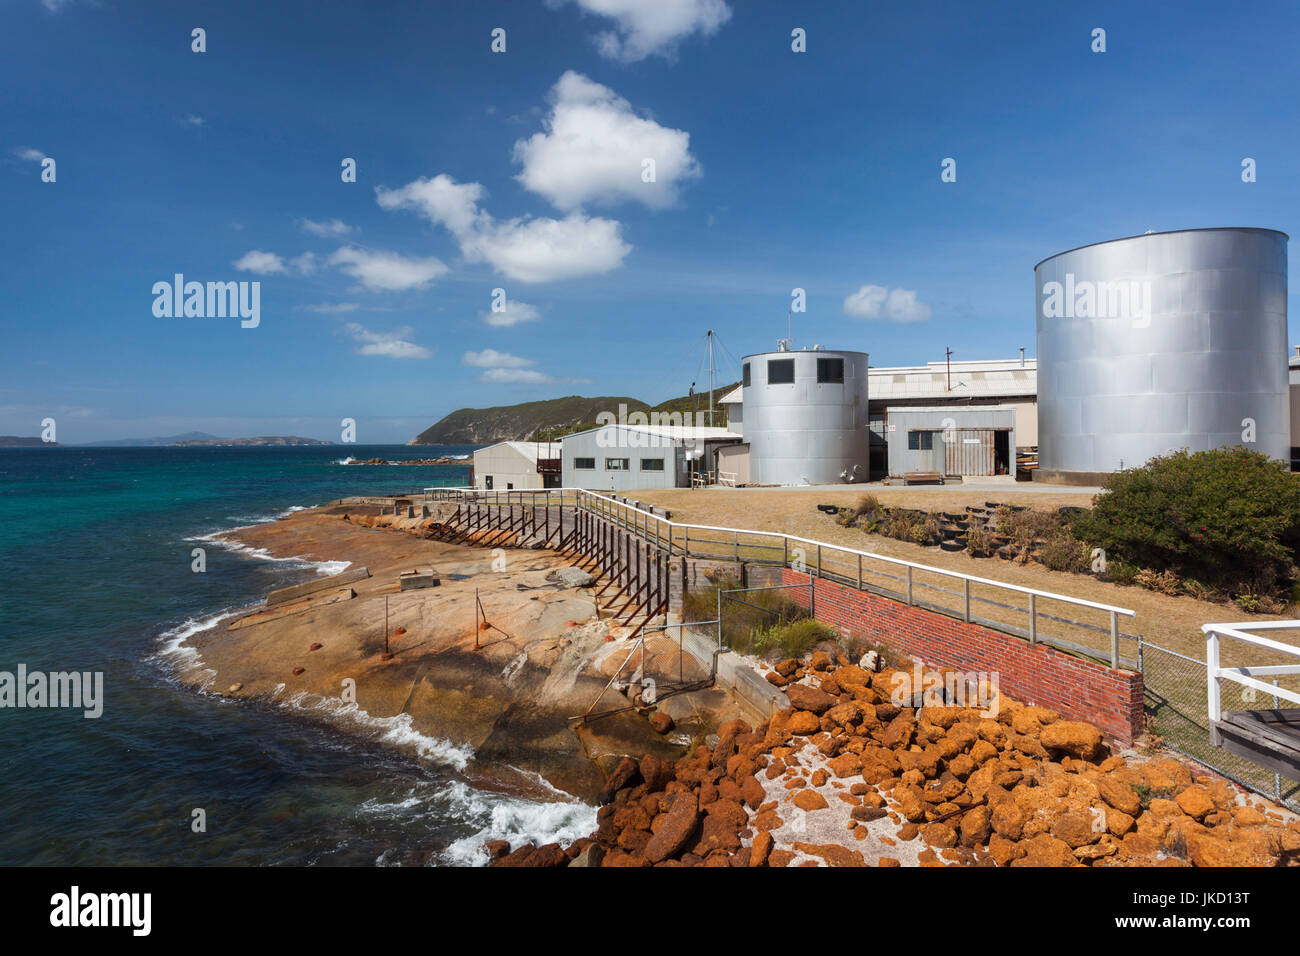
(1159,342)
(806,416)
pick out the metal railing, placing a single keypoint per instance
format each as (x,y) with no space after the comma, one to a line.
(1011,608)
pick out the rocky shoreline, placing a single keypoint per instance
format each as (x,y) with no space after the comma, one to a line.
(443,460)
(848,777)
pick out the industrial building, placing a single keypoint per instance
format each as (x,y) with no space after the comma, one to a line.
(516,465)
(949,440)
(1153,343)
(618,457)
(1146,345)
(804,415)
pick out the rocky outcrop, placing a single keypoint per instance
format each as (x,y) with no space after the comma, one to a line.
(947,785)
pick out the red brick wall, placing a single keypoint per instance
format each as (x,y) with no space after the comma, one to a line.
(1033,673)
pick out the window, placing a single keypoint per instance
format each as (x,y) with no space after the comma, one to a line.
(920,441)
(510,486)
(652,464)
(618,464)
(780,371)
(584,464)
(744,375)
(487,482)
(830,370)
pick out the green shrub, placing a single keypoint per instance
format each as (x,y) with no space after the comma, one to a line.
(1229,518)
(793,639)
(744,616)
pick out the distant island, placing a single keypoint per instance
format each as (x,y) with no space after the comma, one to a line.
(15,441)
(242,442)
(152,442)
(553,418)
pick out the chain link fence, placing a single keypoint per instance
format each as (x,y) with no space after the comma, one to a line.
(1177,710)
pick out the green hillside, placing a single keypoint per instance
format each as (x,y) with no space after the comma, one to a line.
(553,418)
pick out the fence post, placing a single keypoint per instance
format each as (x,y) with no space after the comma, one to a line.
(1033,619)
(909,585)
(1212,684)
(735,540)
(966,617)
(1114,640)
(859,572)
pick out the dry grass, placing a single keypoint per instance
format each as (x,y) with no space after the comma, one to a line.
(1173,622)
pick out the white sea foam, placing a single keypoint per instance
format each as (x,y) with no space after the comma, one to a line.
(345,461)
(221,540)
(178,655)
(516,820)
(396,730)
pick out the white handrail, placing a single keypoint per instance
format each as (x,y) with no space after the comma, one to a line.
(1214,671)
(901,562)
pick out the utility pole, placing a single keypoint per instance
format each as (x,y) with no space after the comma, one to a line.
(948,359)
(710,338)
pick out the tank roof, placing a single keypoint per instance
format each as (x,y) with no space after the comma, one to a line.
(1166,232)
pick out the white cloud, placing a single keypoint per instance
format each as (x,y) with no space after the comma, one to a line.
(491,358)
(304,264)
(442,200)
(526,249)
(192,120)
(269,263)
(54,6)
(388,344)
(387,271)
(514,313)
(507,376)
(327,308)
(594,149)
(333,229)
(26,152)
(890,305)
(645,27)
(546,250)
(263,263)
(502,368)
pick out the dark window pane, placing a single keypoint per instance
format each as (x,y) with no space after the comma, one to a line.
(830,370)
(780,371)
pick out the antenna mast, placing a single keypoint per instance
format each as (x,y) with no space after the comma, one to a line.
(710,338)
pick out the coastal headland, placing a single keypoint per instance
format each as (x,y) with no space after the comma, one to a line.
(495,702)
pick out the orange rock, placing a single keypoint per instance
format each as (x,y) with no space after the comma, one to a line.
(1196,802)
(779,858)
(1073,737)
(809,800)
(1008,820)
(1045,850)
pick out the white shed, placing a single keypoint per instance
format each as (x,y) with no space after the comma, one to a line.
(517,465)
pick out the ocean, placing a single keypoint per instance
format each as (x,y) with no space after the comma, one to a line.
(95,556)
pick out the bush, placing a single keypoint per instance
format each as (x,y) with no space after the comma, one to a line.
(1166,582)
(1064,552)
(869,507)
(1229,518)
(741,622)
(793,639)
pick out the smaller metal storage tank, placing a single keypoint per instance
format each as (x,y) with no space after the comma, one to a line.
(974,440)
(806,416)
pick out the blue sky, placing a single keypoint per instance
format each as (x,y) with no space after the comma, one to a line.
(522,171)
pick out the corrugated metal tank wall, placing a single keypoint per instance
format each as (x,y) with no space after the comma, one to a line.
(1158,342)
(806,431)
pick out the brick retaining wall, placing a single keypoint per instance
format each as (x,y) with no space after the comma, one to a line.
(1033,673)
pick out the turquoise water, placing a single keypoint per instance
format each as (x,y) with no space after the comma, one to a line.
(95,553)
